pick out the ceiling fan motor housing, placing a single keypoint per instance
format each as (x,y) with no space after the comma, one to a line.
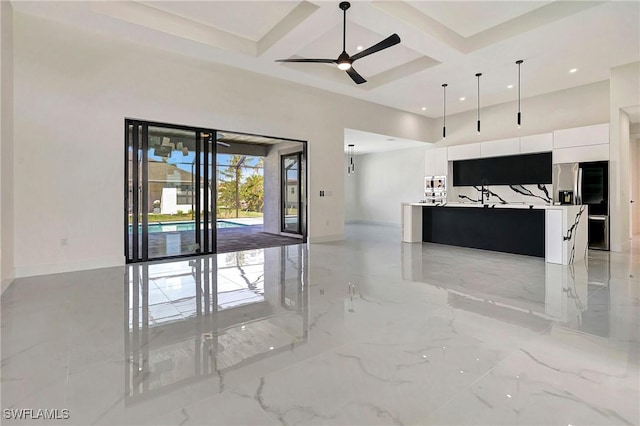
(345,61)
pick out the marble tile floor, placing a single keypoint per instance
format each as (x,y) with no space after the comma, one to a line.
(366,331)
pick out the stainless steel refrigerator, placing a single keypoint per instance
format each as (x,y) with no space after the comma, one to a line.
(592,189)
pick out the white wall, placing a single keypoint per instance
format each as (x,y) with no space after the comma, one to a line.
(634,157)
(6,146)
(384,180)
(73,90)
(575,107)
(625,92)
(351,191)
(169,201)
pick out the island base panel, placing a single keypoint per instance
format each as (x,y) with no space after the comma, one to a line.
(518,231)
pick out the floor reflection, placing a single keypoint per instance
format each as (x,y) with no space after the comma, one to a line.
(508,286)
(194,319)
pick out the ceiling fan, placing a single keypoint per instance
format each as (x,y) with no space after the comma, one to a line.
(344,61)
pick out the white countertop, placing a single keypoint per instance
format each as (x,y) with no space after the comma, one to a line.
(497,206)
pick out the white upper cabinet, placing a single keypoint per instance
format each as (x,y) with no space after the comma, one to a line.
(578,154)
(463,152)
(441,166)
(435,162)
(430,162)
(581,136)
(500,148)
(588,143)
(536,143)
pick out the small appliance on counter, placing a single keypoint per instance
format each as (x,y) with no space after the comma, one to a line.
(435,189)
(565,197)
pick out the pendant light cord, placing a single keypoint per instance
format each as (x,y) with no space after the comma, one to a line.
(444,111)
(519,116)
(519,62)
(478,75)
(478,123)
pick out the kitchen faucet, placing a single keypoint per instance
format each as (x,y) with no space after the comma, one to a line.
(484,189)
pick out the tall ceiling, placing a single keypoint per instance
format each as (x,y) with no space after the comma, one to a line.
(442,42)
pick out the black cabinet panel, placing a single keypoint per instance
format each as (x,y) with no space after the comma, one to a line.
(519,231)
(507,170)
(503,170)
(537,168)
(468,174)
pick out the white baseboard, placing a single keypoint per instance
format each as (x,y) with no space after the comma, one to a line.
(622,247)
(373,222)
(6,283)
(56,268)
(325,238)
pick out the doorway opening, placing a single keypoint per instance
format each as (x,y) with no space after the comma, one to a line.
(192,191)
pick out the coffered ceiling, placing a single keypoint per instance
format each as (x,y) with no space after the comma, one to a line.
(442,42)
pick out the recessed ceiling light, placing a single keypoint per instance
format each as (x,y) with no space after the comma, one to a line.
(510,86)
(424,108)
(359,47)
(573,70)
(462,98)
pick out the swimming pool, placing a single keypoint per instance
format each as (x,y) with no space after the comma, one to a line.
(184,226)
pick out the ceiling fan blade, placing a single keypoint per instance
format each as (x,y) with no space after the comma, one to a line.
(355,76)
(392,40)
(315,61)
(223,144)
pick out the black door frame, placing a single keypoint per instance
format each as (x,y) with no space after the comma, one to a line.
(283,191)
(139,133)
(139,143)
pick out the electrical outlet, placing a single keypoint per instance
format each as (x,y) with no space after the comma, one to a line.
(64,241)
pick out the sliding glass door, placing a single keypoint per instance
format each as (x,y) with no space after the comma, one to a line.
(292,193)
(169,191)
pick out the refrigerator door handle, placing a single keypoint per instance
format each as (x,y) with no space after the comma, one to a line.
(578,189)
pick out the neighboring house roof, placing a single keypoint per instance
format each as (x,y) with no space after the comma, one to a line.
(163,172)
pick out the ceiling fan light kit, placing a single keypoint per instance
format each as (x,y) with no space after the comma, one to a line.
(344,60)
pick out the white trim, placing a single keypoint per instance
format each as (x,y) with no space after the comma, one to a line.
(6,283)
(325,238)
(56,268)
(290,235)
(373,222)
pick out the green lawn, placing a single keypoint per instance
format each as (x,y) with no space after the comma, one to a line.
(229,214)
(222,214)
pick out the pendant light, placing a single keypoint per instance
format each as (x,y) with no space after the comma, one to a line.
(351,167)
(478,124)
(444,111)
(519,62)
